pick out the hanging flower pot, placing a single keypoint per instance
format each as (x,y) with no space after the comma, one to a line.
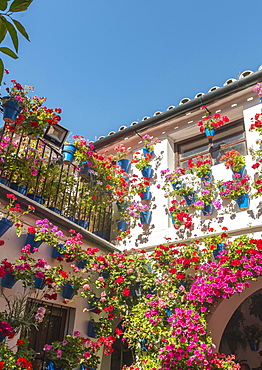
(82,223)
(122,225)
(3,180)
(30,239)
(11,109)
(207,210)
(254,346)
(22,189)
(101,234)
(147,171)
(190,198)
(2,338)
(143,344)
(124,164)
(39,283)
(207,176)
(84,169)
(68,153)
(210,133)
(91,332)
(8,281)
(220,247)
(146,194)
(148,153)
(175,223)
(5,224)
(145,217)
(37,198)
(240,172)
(243,201)
(68,291)
(105,274)
(121,206)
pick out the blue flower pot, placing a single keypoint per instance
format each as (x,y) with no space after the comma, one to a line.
(190,198)
(82,367)
(68,153)
(82,223)
(143,344)
(56,210)
(68,291)
(146,152)
(22,189)
(39,283)
(93,306)
(243,201)
(207,210)
(5,224)
(84,169)
(11,110)
(56,253)
(50,365)
(207,176)
(37,198)
(3,180)
(101,234)
(145,217)
(122,206)
(81,264)
(122,225)
(240,172)
(124,164)
(146,194)
(210,133)
(30,239)
(177,185)
(2,338)
(8,281)
(254,346)
(105,274)
(91,332)
(220,247)
(147,171)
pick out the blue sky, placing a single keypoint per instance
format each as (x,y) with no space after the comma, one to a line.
(108,63)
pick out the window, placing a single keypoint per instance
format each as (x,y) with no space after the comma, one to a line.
(57,323)
(228,137)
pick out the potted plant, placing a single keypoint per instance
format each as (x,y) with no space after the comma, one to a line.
(205,199)
(237,189)
(172,178)
(253,335)
(234,160)
(149,143)
(201,166)
(179,213)
(142,163)
(210,123)
(121,157)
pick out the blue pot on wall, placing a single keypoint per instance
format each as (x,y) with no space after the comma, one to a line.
(8,281)
(2,338)
(11,110)
(190,198)
(146,152)
(50,365)
(56,210)
(39,283)
(124,164)
(81,264)
(91,332)
(143,344)
(147,171)
(240,172)
(145,217)
(146,194)
(56,253)
(68,153)
(243,201)
(5,224)
(22,189)
(101,234)
(177,185)
(84,169)
(30,239)
(207,210)
(220,247)
(207,176)
(210,133)
(3,180)
(122,225)
(254,346)
(68,291)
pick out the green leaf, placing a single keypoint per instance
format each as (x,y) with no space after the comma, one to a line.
(21,29)
(12,31)
(3,30)
(1,70)
(19,5)
(9,52)
(3,4)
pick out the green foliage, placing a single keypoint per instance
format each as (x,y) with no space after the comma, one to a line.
(10,26)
